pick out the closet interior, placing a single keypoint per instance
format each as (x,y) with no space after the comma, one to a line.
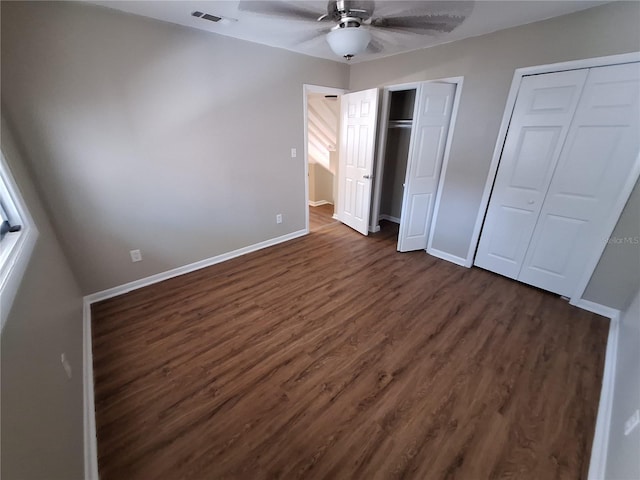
(396,153)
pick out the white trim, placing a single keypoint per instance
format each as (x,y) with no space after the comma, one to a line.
(378,168)
(597,308)
(447,256)
(398,87)
(582,63)
(390,218)
(383,124)
(90,434)
(13,269)
(319,202)
(458,81)
(306,90)
(493,166)
(601,436)
(17,258)
(600,445)
(506,119)
(175,272)
(382,140)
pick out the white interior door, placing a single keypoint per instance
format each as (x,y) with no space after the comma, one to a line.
(602,146)
(541,117)
(428,140)
(359,111)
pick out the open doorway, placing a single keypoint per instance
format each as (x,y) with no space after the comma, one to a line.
(322,127)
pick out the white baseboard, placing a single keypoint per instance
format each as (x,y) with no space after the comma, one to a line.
(594,307)
(448,257)
(390,218)
(335,216)
(207,262)
(601,437)
(90,435)
(319,202)
(374,229)
(600,445)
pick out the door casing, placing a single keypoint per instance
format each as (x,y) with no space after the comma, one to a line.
(382,140)
(432,114)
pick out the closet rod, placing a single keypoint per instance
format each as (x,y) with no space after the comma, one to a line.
(400,123)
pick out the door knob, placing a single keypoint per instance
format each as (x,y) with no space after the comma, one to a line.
(367,176)
(531,202)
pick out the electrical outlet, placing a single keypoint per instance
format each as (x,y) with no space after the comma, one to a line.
(136,255)
(279,218)
(632,422)
(294,153)
(66,365)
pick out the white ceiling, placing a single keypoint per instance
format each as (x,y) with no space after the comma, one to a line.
(292,34)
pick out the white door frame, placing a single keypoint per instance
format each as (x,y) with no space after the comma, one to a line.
(378,171)
(382,141)
(502,135)
(306,90)
(458,81)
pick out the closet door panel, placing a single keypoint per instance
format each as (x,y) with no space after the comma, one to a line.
(429,136)
(601,149)
(420,207)
(542,114)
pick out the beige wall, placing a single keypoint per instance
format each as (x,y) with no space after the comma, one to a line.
(312,182)
(487,64)
(41,409)
(143,134)
(177,141)
(617,277)
(322,180)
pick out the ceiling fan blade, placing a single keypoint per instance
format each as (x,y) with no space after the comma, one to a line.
(387,37)
(288,10)
(420,24)
(413,8)
(310,36)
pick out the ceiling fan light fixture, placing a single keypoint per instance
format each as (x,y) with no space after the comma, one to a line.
(348,41)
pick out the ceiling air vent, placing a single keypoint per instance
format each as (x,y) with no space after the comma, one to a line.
(206,16)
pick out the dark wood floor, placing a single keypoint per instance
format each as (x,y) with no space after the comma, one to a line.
(333,356)
(320,217)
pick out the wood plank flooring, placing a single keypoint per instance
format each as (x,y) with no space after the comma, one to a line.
(320,217)
(333,356)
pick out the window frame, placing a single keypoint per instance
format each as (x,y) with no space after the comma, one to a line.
(15,248)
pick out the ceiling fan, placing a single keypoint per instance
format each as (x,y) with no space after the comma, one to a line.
(364,25)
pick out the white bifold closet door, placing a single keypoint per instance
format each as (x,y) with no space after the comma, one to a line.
(572,143)
(539,125)
(428,141)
